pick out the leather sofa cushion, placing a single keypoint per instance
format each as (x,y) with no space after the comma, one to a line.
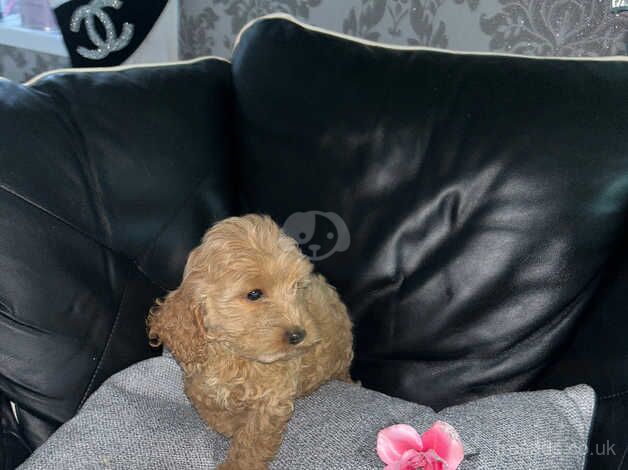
(597,354)
(482,195)
(108,180)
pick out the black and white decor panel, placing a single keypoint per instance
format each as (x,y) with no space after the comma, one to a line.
(103,33)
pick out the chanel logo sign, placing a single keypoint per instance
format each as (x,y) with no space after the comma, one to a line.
(112,42)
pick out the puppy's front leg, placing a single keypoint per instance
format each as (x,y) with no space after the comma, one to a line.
(255,444)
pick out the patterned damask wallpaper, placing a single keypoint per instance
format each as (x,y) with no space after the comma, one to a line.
(536,27)
(20,64)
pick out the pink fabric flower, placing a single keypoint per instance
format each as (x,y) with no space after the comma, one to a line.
(401,448)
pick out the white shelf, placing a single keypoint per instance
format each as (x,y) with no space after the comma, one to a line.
(13,34)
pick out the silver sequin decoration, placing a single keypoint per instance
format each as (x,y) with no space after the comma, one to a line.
(112,42)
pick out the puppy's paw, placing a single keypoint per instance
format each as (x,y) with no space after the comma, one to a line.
(232,465)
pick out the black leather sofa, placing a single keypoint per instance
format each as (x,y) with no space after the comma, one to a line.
(484,197)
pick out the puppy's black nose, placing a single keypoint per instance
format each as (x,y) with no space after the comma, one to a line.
(295,336)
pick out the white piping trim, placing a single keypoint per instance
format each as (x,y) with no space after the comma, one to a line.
(118,68)
(14,410)
(285,16)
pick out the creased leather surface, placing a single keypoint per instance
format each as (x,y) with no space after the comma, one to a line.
(483,195)
(597,354)
(107,180)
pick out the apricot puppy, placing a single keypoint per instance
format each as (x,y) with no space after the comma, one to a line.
(253,328)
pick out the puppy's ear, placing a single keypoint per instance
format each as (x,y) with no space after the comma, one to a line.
(177,322)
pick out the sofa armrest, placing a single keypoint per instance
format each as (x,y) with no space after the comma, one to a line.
(13,448)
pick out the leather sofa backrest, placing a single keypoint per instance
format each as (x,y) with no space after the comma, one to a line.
(107,180)
(482,195)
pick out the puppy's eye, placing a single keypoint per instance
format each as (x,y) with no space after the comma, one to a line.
(255,294)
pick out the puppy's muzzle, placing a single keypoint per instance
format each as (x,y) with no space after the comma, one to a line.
(295,336)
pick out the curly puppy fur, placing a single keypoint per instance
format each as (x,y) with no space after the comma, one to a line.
(253,328)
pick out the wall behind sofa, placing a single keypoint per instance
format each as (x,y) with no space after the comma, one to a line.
(536,27)
(20,64)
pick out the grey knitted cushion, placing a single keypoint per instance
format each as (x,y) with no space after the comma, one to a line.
(141,419)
